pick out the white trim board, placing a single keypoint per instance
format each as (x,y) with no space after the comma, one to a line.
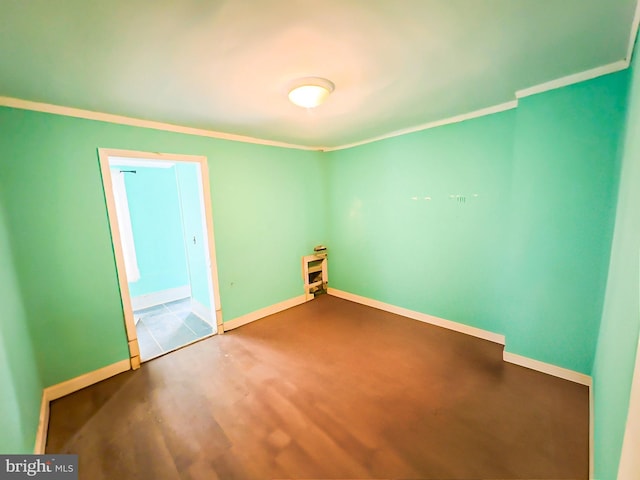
(574,78)
(591,432)
(629,466)
(43,426)
(543,367)
(67,387)
(158,298)
(263,312)
(634,32)
(547,368)
(422,317)
(502,107)
(137,122)
(490,110)
(427,126)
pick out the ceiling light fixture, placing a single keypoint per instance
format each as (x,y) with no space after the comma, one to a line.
(310,92)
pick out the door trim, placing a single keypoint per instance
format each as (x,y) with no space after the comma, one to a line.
(629,466)
(104,154)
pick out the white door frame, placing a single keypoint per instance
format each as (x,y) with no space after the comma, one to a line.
(105,154)
(630,460)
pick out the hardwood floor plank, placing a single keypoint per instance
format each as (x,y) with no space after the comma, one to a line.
(328,389)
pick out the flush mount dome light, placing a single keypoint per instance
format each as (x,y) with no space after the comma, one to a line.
(310,92)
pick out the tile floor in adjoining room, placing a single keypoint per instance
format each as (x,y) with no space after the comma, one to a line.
(165,327)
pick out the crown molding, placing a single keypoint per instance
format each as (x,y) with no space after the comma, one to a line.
(634,32)
(533,90)
(574,78)
(426,126)
(138,122)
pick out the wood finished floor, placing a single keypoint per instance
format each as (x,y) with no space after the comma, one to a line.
(330,389)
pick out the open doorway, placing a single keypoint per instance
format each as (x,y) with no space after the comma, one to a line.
(161,224)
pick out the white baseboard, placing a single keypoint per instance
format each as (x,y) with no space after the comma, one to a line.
(592,419)
(263,312)
(67,387)
(62,389)
(422,317)
(547,368)
(201,311)
(158,298)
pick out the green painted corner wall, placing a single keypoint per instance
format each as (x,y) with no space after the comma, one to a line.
(510,260)
(267,211)
(565,177)
(618,338)
(20,385)
(399,234)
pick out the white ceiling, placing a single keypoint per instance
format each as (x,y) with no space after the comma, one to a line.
(226,65)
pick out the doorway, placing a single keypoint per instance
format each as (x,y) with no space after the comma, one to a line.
(161,225)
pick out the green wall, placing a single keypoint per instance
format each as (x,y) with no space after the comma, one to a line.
(566,162)
(525,254)
(618,340)
(439,256)
(512,259)
(20,385)
(264,200)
